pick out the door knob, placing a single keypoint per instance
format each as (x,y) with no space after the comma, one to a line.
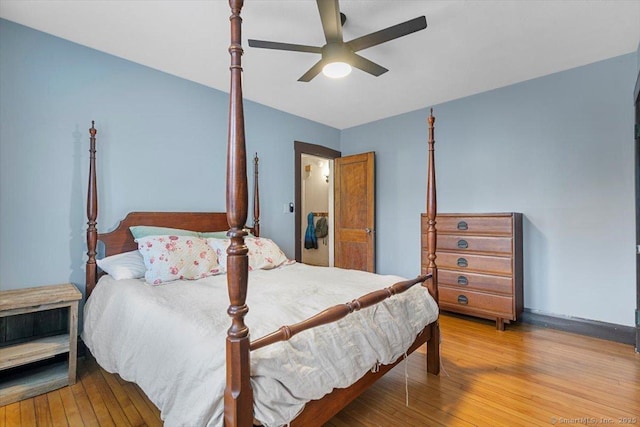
(368,230)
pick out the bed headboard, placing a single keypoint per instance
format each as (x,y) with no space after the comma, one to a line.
(121,240)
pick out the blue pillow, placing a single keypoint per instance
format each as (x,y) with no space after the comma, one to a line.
(140,231)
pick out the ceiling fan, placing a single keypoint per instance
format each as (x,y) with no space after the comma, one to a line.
(337,56)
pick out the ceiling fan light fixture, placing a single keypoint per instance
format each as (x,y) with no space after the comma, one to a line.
(339,56)
(336,70)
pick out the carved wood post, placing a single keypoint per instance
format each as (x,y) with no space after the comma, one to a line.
(431,210)
(92,214)
(256,198)
(238,397)
(433,345)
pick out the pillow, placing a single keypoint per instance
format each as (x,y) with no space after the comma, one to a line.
(221,234)
(140,231)
(213,234)
(169,258)
(219,246)
(263,253)
(127,265)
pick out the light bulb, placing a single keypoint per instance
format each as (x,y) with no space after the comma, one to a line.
(336,70)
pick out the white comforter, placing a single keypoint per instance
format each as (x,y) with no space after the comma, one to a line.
(170,339)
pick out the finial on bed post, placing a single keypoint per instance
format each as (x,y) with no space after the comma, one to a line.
(238,396)
(256,197)
(432,210)
(92,214)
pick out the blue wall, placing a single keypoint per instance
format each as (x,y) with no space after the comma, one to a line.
(161,146)
(558,149)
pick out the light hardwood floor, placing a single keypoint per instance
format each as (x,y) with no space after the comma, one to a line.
(524,376)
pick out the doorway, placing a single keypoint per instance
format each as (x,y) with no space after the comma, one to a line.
(317,208)
(313,154)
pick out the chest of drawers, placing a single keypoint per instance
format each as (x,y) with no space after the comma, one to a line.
(479,259)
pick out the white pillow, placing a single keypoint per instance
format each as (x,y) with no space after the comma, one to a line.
(127,265)
(170,258)
(263,253)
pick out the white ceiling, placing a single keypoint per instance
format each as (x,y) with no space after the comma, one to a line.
(468,46)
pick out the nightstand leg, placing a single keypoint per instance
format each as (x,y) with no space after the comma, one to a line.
(500,324)
(73,342)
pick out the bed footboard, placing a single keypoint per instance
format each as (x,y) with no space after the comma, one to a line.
(336,312)
(317,412)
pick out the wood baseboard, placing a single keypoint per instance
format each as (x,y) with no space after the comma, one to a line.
(608,331)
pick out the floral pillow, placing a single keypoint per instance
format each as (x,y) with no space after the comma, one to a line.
(169,258)
(263,253)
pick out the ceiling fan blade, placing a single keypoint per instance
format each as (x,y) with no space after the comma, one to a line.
(330,17)
(284,46)
(313,71)
(389,33)
(365,65)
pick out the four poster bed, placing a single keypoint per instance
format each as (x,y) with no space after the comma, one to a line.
(165,332)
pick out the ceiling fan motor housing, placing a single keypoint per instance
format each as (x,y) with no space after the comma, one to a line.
(336,52)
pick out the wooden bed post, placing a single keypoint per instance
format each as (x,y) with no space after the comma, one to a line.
(256,198)
(238,396)
(92,214)
(433,345)
(432,210)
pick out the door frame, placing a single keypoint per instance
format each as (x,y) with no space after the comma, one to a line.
(299,149)
(636,101)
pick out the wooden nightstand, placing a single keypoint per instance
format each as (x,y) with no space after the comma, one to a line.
(32,382)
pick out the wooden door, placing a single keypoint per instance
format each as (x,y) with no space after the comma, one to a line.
(354,220)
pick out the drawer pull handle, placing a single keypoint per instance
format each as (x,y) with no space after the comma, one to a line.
(463,244)
(463,300)
(462,262)
(462,225)
(462,280)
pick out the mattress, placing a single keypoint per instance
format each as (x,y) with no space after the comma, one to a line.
(170,339)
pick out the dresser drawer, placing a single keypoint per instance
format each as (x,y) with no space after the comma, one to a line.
(473,281)
(476,302)
(461,243)
(474,224)
(477,263)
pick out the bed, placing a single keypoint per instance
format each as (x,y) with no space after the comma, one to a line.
(313,353)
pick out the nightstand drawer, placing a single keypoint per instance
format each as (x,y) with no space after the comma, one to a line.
(461,243)
(475,263)
(473,281)
(474,224)
(471,302)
